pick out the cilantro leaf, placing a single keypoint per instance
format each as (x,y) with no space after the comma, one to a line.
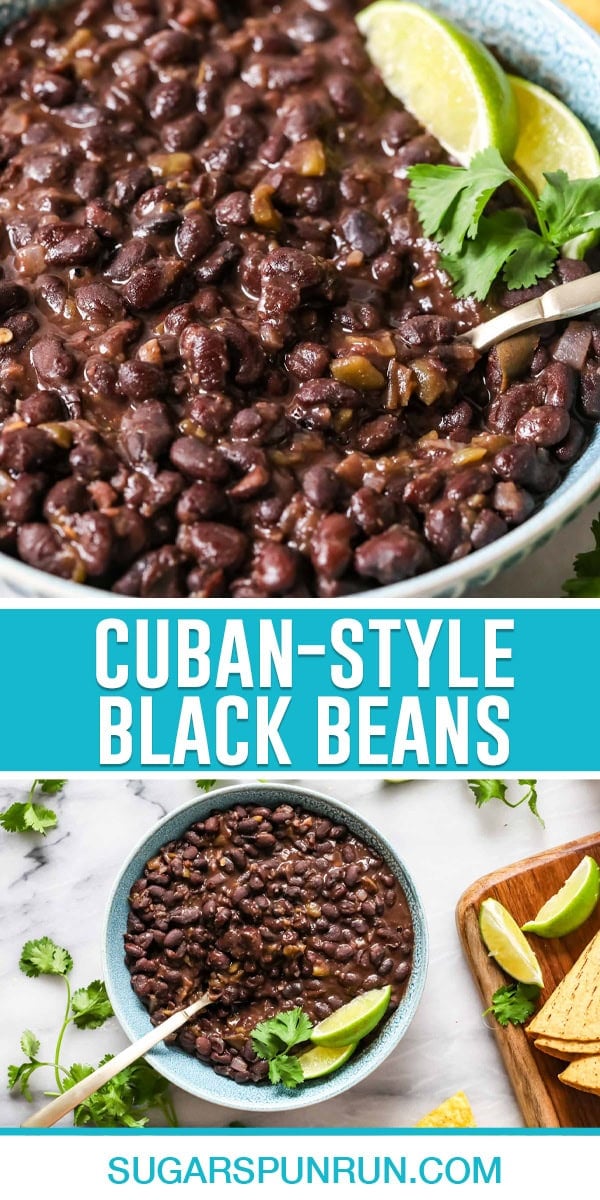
(451,200)
(514,1003)
(587,570)
(504,244)
(280,1033)
(27,818)
(531,797)
(569,206)
(29,1043)
(124,1101)
(272,1039)
(286,1069)
(451,203)
(495,789)
(205,785)
(19,1077)
(487,789)
(50,787)
(44,957)
(90,1006)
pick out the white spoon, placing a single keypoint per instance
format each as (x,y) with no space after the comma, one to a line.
(67,1101)
(566,300)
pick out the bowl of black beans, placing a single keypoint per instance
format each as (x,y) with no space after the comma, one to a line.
(279,901)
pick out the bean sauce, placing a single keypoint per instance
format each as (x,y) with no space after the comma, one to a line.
(228,355)
(269,909)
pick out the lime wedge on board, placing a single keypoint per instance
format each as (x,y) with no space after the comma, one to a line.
(572,905)
(505,942)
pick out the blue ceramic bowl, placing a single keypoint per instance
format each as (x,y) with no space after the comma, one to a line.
(188,1072)
(545,42)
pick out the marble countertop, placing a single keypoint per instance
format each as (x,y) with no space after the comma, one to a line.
(59,886)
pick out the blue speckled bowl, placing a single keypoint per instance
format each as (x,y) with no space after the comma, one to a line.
(545,42)
(189,1073)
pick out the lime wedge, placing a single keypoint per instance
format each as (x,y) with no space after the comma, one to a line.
(322,1060)
(451,83)
(353,1021)
(552,138)
(572,905)
(507,944)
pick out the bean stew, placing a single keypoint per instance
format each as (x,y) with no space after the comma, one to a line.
(228,356)
(270,909)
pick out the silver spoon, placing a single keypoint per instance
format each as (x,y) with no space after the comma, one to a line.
(566,300)
(67,1101)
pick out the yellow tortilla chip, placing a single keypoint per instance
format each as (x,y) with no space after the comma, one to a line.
(572,1013)
(566,1050)
(583,1074)
(455,1113)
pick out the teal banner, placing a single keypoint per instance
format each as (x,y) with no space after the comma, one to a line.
(295,689)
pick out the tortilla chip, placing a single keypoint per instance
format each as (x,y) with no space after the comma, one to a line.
(583,1074)
(566,1050)
(572,1013)
(455,1113)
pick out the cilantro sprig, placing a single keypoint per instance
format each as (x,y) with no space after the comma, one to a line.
(485,790)
(273,1039)
(514,1003)
(477,245)
(125,1100)
(30,816)
(586,584)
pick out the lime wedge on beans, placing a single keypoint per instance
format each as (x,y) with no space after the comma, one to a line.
(448,80)
(353,1021)
(505,942)
(572,904)
(552,138)
(322,1060)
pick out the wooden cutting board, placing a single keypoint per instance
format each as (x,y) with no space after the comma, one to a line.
(522,889)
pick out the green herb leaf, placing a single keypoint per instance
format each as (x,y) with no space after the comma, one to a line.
(44,957)
(280,1033)
(205,785)
(272,1039)
(531,797)
(286,1069)
(477,248)
(504,244)
(495,789)
(514,1003)
(27,818)
(485,790)
(124,1101)
(29,1044)
(90,1006)
(50,787)
(587,570)
(19,1077)
(569,206)
(450,200)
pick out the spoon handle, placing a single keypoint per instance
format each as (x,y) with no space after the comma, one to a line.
(566,300)
(67,1101)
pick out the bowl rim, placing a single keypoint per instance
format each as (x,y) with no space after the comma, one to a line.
(450,578)
(279,1099)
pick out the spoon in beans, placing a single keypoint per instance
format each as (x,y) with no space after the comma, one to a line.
(568,300)
(67,1101)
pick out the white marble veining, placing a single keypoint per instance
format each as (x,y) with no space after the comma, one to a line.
(59,886)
